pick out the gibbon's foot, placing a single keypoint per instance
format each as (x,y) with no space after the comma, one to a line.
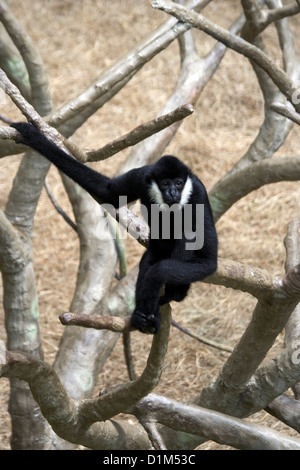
(148,324)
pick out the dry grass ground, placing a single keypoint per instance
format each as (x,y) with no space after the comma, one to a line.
(79,39)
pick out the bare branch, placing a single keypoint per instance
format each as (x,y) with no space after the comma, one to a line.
(151,428)
(279,77)
(125,396)
(32,116)
(40,91)
(287,409)
(213,425)
(276,14)
(98,322)
(62,412)
(12,251)
(58,207)
(237,185)
(286,111)
(26,108)
(292,328)
(127,66)
(195,73)
(273,378)
(268,320)
(140,133)
(257,282)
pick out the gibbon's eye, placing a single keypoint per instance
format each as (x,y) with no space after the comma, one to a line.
(179,182)
(164,183)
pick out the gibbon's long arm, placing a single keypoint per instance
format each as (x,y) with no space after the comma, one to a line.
(100,187)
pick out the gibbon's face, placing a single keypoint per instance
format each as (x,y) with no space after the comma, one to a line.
(171,191)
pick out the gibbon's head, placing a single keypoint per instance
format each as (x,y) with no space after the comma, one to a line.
(170,182)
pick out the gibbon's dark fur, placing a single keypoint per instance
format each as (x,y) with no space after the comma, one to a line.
(166,262)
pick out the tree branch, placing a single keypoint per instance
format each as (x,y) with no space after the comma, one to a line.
(98,322)
(286,111)
(279,13)
(140,133)
(62,412)
(67,417)
(127,66)
(272,379)
(237,185)
(124,396)
(257,282)
(40,91)
(213,425)
(12,250)
(268,320)
(195,73)
(279,77)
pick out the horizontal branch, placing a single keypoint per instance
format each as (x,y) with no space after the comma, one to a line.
(256,281)
(214,425)
(98,322)
(287,410)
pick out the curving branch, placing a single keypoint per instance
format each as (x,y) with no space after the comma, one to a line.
(212,425)
(62,411)
(286,111)
(258,19)
(278,76)
(73,420)
(12,251)
(68,418)
(236,185)
(40,91)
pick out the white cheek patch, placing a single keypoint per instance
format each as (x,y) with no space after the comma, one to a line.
(186,192)
(157,197)
(155,194)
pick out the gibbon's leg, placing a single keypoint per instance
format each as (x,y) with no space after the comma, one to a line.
(147,323)
(168,271)
(174,292)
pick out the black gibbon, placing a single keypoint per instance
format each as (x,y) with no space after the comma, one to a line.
(181,251)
